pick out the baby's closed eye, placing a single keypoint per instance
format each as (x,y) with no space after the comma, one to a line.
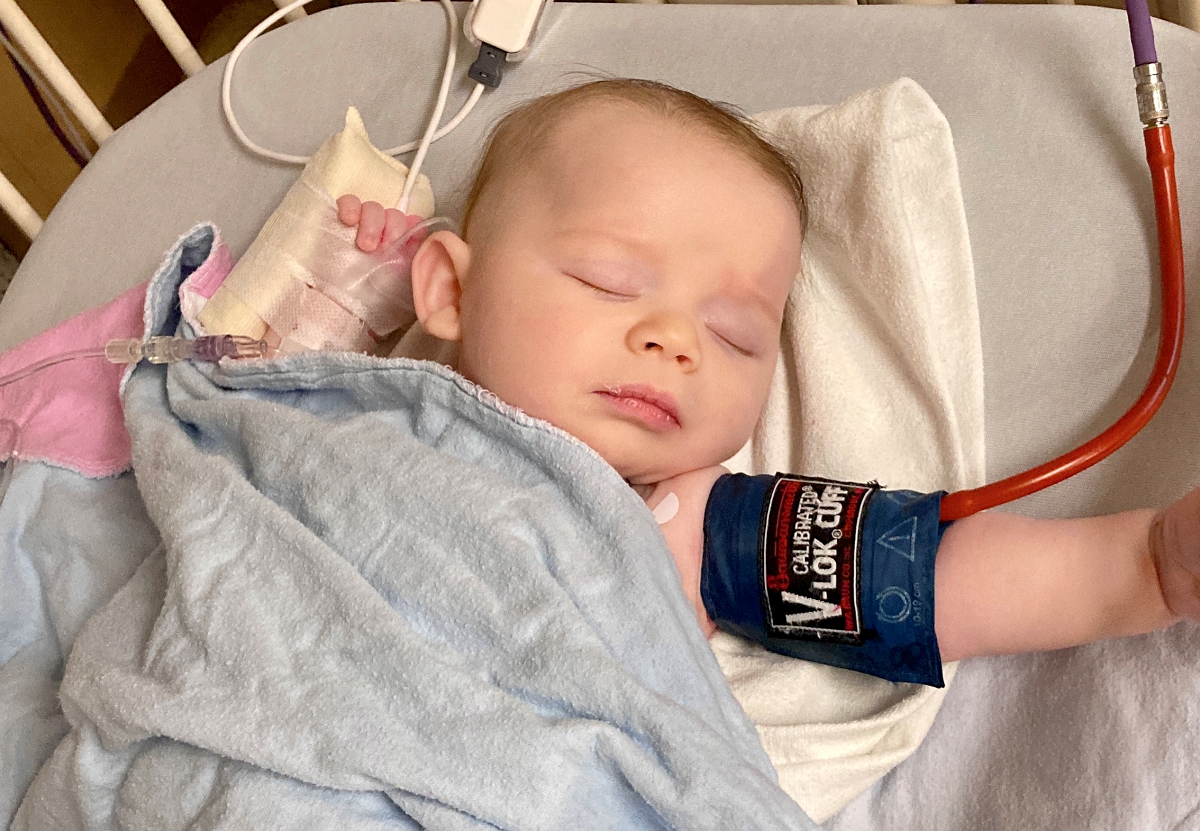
(606,284)
(740,336)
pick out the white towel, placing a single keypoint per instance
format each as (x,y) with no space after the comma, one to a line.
(880,377)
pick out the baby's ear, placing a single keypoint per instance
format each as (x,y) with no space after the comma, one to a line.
(437,272)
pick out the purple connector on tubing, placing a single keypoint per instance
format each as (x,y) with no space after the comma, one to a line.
(212,348)
(1141,32)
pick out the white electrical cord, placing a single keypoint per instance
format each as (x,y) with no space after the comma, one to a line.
(410,180)
(445,129)
(432,133)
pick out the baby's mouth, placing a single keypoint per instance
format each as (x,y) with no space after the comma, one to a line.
(653,408)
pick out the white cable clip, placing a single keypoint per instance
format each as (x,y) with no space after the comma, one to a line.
(508,25)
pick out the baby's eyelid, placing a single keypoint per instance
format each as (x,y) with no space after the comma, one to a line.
(741,350)
(600,289)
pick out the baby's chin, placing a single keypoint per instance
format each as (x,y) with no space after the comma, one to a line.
(650,471)
(644,459)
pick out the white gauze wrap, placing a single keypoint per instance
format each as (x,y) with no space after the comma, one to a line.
(292,278)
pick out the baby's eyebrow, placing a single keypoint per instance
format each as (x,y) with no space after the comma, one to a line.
(606,250)
(592,238)
(748,298)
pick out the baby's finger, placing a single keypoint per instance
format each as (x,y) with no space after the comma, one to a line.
(349,209)
(370,226)
(1175,546)
(395,224)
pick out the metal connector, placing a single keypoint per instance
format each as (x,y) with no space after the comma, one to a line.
(1151,94)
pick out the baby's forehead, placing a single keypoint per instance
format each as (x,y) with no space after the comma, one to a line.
(623,128)
(609,164)
(619,149)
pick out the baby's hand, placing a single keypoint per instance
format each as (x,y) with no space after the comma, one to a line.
(1175,546)
(678,504)
(377,225)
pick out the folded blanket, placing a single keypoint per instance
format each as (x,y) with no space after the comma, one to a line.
(880,377)
(385,599)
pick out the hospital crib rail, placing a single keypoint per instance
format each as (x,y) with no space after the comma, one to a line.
(51,68)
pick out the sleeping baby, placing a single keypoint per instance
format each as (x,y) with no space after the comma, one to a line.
(626,256)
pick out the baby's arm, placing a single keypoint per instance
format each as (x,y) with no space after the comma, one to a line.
(1006,583)
(684,529)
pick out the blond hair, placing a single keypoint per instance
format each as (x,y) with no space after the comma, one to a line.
(529,125)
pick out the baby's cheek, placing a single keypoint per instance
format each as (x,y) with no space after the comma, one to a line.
(734,421)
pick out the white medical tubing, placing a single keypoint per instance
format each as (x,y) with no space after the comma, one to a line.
(227,80)
(16,206)
(46,363)
(172,35)
(31,40)
(431,135)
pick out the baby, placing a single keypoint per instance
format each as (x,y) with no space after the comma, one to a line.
(626,256)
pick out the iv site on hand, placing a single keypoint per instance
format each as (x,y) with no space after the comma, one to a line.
(334,295)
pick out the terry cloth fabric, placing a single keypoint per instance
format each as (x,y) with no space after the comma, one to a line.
(68,414)
(880,378)
(384,599)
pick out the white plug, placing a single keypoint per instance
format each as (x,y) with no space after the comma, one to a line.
(508,25)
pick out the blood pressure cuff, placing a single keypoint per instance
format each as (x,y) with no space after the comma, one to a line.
(833,572)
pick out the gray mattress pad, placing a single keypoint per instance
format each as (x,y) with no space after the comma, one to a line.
(1060,211)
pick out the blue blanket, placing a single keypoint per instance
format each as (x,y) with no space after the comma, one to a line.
(382,598)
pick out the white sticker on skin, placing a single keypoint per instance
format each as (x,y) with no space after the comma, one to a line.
(665,511)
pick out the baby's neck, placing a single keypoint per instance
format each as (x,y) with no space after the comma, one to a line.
(641,490)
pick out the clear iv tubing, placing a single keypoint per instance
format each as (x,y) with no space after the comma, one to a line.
(1160,156)
(25,372)
(432,132)
(157,350)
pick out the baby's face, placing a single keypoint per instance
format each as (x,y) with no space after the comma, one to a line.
(629,288)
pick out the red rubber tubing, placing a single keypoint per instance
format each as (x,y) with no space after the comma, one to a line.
(1160,155)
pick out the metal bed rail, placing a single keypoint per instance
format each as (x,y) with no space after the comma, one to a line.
(50,67)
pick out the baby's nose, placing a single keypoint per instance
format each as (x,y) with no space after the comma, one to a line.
(669,335)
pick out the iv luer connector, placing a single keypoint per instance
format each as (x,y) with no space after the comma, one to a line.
(1151,94)
(163,349)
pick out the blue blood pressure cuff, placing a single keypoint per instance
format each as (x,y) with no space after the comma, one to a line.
(833,572)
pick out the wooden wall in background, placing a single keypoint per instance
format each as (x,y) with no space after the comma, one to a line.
(123,66)
(111,50)
(116,57)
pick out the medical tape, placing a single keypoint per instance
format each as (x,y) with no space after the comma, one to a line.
(308,317)
(227,314)
(372,287)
